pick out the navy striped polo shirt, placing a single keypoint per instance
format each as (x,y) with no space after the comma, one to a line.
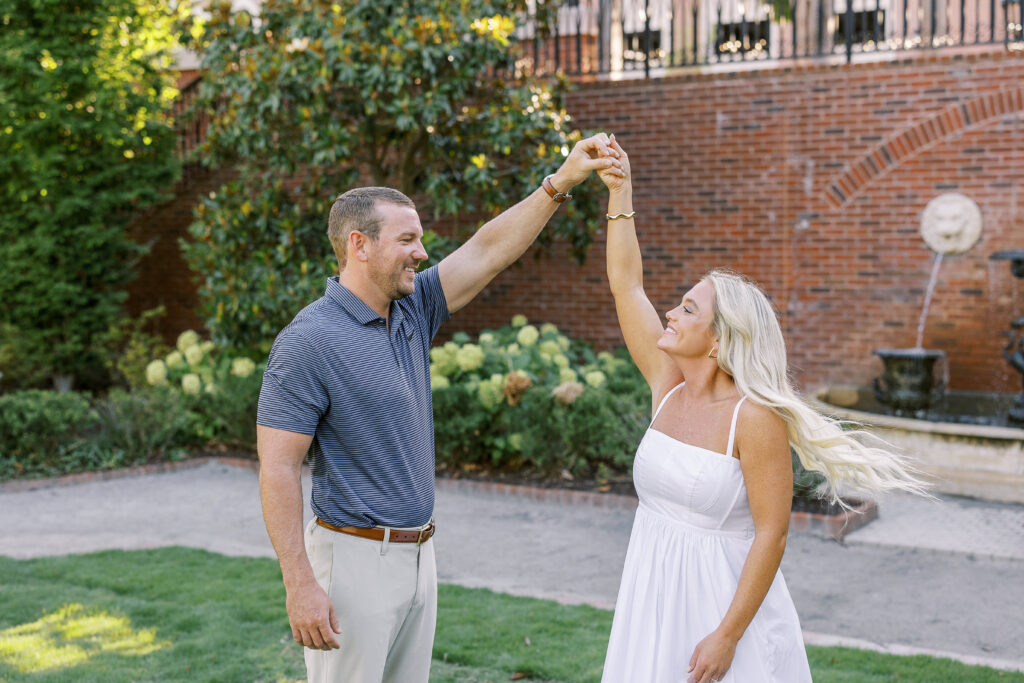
(336,373)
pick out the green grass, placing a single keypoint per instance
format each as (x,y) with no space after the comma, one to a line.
(187,615)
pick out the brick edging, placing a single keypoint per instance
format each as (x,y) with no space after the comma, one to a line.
(543,495)
(134,471)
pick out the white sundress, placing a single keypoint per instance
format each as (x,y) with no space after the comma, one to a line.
(690,540)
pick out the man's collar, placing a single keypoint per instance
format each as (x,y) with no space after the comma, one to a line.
(355,306)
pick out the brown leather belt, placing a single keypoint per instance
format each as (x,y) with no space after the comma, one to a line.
(377,534)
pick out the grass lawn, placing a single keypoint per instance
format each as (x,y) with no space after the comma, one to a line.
(178,614)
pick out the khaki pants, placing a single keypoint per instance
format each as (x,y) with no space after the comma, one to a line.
(385,597)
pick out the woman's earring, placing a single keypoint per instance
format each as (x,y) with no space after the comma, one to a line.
(713,353)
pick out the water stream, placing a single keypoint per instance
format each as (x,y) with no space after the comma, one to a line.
(928,300)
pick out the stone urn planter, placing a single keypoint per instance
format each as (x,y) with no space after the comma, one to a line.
(907,384)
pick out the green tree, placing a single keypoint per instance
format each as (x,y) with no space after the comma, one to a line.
(314,96)
(85,141)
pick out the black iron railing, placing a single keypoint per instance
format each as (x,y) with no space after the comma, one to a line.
(616,36)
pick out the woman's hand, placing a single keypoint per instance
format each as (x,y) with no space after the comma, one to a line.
(711,658)
(616,177)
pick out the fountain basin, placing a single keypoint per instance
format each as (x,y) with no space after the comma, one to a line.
(964,458)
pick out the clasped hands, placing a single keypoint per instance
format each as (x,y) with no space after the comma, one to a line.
(600,153)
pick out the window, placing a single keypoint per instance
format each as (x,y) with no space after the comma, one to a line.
(742,37)
(867,27)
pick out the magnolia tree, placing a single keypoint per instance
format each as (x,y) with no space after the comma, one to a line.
(85,141)
(312,97)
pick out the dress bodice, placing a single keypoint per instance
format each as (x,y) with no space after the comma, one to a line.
(696,486)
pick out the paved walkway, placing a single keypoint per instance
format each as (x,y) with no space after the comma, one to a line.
(936,577)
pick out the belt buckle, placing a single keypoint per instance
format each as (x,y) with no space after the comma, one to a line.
(419,536)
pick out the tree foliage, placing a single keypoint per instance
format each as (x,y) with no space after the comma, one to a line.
(314,96)
(85,140)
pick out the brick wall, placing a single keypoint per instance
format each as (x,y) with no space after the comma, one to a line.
(163,276)
(809,178)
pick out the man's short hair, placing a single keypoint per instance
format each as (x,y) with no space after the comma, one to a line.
(357,210)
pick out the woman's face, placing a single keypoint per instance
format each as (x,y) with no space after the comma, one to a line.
(688,330)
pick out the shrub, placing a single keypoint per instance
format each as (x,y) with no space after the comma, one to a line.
(86,141)
(528,398)
(144,426)
(41,430)
(412,94)
(219,389)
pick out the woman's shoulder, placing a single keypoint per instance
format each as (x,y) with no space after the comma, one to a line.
(756,420)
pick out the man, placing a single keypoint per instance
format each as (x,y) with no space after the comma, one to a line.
(350,376)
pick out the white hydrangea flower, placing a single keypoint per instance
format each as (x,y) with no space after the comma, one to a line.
(515,442)
(489,393)
(595,378)
(549,347)
(156,373)
(242,367)
(187,339)
(561,360)
(527,336)
(563,341)
(469,357)
(487,338)
(194,354)
(566,375)
(175,360)
(207,346)
(443,359)
(519,320)
(439,382)
(548,327)
(512,349)
(191,384)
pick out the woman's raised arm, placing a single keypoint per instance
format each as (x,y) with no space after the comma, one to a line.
(641,326)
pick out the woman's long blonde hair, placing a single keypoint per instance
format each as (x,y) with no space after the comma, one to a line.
(752,351)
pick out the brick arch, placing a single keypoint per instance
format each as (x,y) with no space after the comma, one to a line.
(916,138)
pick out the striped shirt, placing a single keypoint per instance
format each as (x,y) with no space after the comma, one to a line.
(336,373)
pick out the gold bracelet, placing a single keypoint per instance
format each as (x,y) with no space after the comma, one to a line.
(620,215)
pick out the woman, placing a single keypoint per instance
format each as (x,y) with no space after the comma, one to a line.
(702,598)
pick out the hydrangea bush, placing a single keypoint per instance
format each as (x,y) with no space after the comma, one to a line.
(529,398)
(220,388)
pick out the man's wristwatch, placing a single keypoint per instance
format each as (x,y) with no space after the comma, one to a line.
(556,196)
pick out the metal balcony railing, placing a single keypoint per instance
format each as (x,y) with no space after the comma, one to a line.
(619,36)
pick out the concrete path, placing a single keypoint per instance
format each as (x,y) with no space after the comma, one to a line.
(944,578)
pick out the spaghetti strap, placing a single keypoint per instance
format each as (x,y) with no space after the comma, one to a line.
(662,404)
(732,427)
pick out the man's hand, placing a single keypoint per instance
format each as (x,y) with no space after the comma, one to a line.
(312,617)
(591,154)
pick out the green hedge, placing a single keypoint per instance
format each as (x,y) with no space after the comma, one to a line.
(196,396)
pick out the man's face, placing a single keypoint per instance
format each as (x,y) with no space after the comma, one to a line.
(398,250)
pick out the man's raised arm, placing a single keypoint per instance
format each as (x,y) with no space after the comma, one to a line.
(502,240)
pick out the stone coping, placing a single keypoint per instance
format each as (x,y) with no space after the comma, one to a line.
(124,472)
(817,402)
(537,493)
